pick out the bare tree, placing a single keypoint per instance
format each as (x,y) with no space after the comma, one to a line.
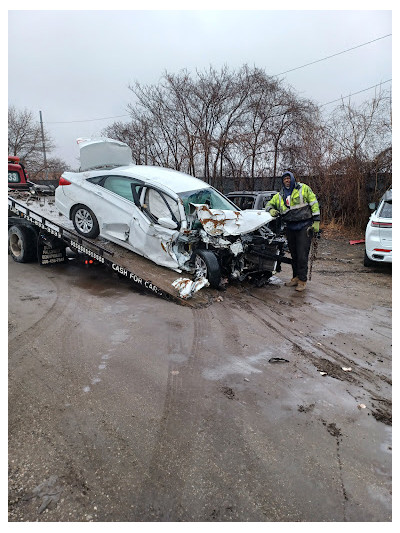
(25,141)
(358,135)
(245,126)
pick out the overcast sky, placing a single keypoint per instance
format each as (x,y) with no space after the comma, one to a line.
(75,66)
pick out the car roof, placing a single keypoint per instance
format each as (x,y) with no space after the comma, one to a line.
(250,193)
(172,179)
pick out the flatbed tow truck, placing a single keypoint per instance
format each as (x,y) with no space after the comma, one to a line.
(38,232)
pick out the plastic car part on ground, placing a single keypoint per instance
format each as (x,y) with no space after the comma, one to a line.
(188,287)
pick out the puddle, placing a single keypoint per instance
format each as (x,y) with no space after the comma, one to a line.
(119,336)
(237,365)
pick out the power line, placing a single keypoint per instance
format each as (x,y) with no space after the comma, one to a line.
(87,120)
(321,105)
(358,92)
(334,55)
(275,75)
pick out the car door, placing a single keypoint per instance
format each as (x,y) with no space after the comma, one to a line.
(115,206)
(155,227)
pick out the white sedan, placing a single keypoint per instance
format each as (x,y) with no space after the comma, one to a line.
(378,234)
(171,218)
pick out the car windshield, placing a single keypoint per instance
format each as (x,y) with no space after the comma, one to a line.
(386,211)
(208,196)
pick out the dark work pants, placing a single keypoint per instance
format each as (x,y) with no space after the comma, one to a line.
(299,246)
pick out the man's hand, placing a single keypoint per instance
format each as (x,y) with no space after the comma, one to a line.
(273,212)
(315,227)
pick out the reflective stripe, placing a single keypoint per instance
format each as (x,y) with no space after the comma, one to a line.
(278,203)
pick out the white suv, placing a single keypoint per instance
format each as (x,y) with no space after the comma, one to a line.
(378,234)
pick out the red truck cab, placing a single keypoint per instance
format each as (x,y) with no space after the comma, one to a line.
(17,177)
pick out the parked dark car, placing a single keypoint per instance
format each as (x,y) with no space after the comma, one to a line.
(250,199)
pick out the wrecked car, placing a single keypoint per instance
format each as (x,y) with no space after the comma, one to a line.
(173,219)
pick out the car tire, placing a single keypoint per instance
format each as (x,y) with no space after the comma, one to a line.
(206,264)
(85,222)
(22,244)
(367,261)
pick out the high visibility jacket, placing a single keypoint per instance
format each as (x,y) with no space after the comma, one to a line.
(303,204)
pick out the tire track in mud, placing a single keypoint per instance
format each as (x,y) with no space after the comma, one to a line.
(192,474)
(306,345)
(233,442)
(46,349)
(161,494)
(267,507)
(60,317)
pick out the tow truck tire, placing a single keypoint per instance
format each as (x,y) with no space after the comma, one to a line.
(22,244)
(206,263)
(85,222)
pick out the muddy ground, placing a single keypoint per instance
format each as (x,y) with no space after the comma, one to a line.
(267,405)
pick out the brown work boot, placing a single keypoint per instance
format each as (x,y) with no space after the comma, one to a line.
(301,285)
(293,282)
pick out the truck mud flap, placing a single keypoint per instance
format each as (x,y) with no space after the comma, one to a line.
(51,250)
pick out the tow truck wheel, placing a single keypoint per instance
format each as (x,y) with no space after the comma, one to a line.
(206,265)
(85,222)
(22,244)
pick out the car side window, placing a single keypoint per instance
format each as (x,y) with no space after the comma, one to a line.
(386,211)
(97,180)
(237,200)
(121,186)
(247,203)
(159,205)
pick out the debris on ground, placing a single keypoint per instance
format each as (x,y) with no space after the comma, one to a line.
(48,493)
(278,360)
(187,287)
(360,241)
(228,392)
(346,369)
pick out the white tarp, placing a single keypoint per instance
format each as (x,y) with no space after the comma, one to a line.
(225,222)
(103,152)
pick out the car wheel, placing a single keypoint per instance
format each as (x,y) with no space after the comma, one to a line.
(367,261)
(22,244)
(85,222)
(206,265)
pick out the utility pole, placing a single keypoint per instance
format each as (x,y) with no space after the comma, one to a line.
(44,147)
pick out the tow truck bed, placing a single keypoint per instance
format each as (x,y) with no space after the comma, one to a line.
(42,213)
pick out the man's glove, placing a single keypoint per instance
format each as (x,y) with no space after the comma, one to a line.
(273,212)
(315,227)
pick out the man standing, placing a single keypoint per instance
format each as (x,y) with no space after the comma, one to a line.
(298,206)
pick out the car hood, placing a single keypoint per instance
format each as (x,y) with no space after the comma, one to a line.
(226,222)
